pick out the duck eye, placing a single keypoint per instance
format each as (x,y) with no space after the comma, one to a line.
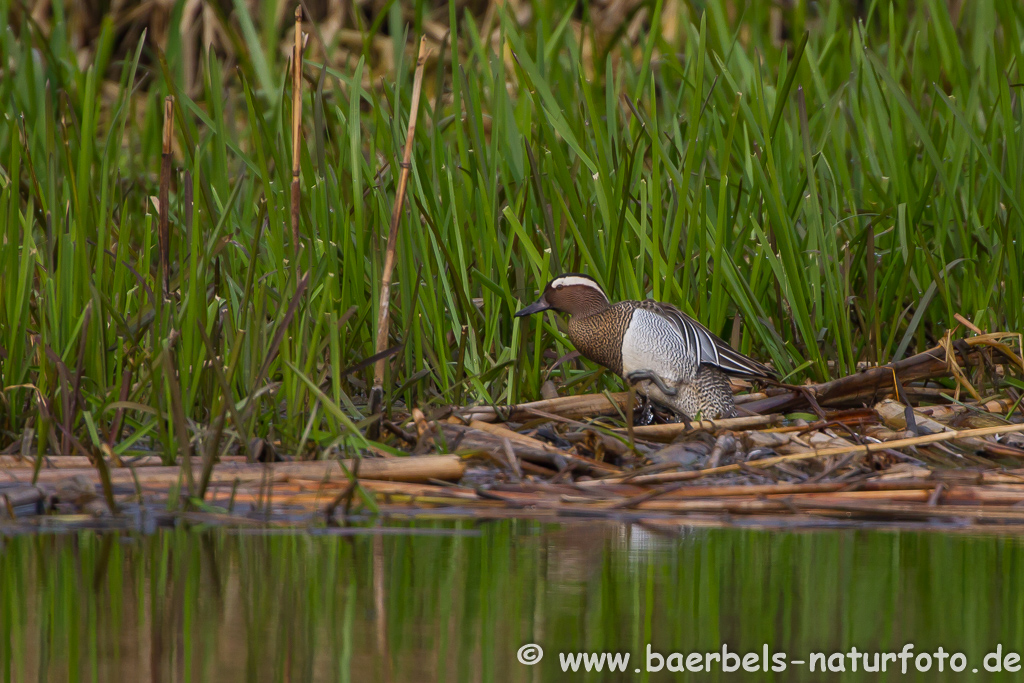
(559,286)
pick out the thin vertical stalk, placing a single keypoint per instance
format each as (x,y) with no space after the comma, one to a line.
(377,394)
(296,126)
(163,233)
(380,604)
(178,417)
(874,329)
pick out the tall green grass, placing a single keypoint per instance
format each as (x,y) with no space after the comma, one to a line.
(835,197)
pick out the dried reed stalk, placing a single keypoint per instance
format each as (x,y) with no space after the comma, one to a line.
(527,450)
(63,462)
(873,383)
(572,407)
(516,437)
(377,393)
(945,413)
(163,229)
(418,469)
(667,432)
(820,452)
(21,496)
(296,126)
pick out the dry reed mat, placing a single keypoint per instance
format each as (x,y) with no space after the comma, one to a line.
(958,464)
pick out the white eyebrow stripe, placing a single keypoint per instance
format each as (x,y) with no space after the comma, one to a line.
(571,280)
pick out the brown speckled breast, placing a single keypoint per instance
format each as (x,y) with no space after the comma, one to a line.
(599,336)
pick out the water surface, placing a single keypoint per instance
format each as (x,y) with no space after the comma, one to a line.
(456,601)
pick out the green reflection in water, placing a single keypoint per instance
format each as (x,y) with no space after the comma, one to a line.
(454,602)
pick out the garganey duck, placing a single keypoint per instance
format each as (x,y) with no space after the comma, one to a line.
(670,357)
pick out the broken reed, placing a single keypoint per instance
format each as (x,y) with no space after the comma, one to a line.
(383,315)
(536,152)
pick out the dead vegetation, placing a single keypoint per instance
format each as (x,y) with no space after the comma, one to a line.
(873,454)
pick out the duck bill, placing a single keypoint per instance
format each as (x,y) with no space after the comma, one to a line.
(536,307)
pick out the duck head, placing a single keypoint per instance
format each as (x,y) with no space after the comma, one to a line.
(570,293)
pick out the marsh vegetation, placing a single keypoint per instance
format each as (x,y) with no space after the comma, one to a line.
(823,187)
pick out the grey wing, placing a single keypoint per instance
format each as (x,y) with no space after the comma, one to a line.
(707,347)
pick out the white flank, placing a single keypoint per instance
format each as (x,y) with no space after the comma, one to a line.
(652,344)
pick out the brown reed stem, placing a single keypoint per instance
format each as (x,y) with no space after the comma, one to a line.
(296,126)
(377,394)
(163,231)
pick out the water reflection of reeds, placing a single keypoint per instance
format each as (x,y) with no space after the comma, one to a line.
(210,606)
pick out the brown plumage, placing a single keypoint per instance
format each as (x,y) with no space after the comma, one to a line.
(669,356)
